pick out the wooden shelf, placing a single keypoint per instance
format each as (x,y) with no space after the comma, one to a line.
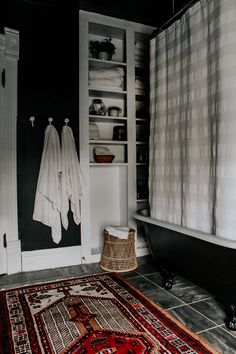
(107,119)
(108,142)
(103,64)
(101,92)
(113,164)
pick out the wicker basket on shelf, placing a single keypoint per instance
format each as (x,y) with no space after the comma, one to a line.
(119,254)
(104,158)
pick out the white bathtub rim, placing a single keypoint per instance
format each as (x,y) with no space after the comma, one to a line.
(220,241)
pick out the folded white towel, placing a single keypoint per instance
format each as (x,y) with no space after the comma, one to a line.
(140,45)
(106,87)
(100,150)
(116,81)
(47,198)
(118,231)
(94,131)
(106,73)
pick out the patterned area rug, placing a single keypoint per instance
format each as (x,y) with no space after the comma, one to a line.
(99,314)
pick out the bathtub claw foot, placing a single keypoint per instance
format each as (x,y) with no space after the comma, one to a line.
(168,279)
(231,320)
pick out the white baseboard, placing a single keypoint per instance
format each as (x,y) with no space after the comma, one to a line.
(13,255)
(140,252)
(51,258)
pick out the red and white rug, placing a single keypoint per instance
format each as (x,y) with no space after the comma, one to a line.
(99,314)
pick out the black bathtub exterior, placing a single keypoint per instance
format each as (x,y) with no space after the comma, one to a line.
(209,265)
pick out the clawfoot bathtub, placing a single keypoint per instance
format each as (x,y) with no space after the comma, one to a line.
(207,260)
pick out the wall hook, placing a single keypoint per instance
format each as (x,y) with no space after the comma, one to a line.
(50,119)
(66,121)
(32,119)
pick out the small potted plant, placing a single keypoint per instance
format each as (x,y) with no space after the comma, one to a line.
(103,50)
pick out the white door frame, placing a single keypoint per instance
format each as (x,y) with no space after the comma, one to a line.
(9,54)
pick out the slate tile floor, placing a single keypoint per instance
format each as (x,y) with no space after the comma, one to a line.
(192,305)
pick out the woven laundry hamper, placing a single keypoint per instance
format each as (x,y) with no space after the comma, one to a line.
(119,254)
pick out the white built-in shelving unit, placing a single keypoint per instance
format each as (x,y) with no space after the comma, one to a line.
(114,190)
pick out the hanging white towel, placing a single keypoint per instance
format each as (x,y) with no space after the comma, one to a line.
(72,179)
(47,198)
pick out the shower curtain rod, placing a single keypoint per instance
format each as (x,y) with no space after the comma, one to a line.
(173,18)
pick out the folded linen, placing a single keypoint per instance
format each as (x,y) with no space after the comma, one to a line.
(118,231)
(117,81)
(94,131)
(110,88)
(140,85)
(106,73)
(100,150)
(140,45)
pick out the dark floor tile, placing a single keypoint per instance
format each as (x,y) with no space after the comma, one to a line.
(44,275)
(188,292)
(93,268)
(233,333)
(142,284)
(128,275)
(192,319)
(13,280)
(157,278)
(72,271)
(212,309)
(221,340)
(145,259)
(163,298)
(147,268)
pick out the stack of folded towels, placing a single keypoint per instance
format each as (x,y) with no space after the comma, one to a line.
(100,150)
(140,85)
(140,52)
(112,78)
(94,133)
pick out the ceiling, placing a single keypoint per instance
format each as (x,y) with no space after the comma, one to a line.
(150,12)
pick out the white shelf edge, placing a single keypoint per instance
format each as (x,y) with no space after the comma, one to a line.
(109,142)
(142,142)
(107,62)
(106,119)
(113,164)
(107,90)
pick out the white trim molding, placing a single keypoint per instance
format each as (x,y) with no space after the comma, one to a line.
(9,54)
(51,258)
(13,252)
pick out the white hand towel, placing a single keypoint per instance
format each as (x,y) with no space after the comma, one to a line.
(118,231)
(47,198)
(72,179)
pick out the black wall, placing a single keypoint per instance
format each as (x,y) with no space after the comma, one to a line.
(48,86)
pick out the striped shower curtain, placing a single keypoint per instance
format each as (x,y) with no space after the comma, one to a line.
(192,172)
